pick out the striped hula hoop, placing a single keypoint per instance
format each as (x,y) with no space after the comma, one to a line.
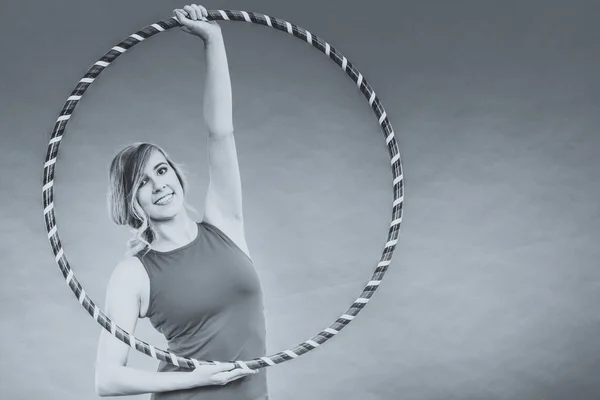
(390,140)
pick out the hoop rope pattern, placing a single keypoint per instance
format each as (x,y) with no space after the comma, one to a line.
(395,162)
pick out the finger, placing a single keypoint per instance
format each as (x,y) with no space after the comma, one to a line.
(204,12)
(240,373)
(198,11)
(191,12)
(229,376)
(224,367)
(183,20)
(179,16)
(201,15)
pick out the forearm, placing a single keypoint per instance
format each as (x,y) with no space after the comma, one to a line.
(217,90)
(123,381)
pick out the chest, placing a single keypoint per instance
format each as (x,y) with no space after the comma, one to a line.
(202,283)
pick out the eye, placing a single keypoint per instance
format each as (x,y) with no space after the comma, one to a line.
(162,170)
(143,182)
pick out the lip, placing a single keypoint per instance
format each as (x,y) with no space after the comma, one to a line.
(162,197)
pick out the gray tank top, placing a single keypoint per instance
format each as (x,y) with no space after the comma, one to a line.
(206,299)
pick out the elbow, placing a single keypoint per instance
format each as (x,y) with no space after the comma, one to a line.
(221,130)
(103,383)
(101,387)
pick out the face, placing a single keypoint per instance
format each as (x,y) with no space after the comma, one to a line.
(160,194)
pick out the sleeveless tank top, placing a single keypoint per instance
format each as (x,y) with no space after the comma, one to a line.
(206,299)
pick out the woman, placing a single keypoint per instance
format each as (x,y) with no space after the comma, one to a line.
(194,281)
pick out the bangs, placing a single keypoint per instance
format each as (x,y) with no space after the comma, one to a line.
(133,167)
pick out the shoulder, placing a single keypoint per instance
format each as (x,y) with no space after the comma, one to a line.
(128,288)
(128,277)
(129,267)
(230,230)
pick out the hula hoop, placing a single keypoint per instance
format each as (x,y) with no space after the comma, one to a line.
(397,205)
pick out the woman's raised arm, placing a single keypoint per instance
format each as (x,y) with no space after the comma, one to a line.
(223,205)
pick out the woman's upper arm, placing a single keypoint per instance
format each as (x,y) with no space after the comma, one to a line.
(123,305)
(224,195)
(223,205)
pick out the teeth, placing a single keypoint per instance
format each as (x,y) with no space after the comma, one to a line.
(164,199)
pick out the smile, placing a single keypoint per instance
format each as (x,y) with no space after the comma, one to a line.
(164,200)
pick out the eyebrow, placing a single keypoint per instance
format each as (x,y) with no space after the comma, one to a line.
(160,164)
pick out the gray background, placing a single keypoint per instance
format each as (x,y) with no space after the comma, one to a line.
(494,288)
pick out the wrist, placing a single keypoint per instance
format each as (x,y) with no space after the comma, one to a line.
(213,37)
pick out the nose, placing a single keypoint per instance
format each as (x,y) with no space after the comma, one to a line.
(158,186)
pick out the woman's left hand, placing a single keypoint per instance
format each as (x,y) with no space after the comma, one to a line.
(195,22)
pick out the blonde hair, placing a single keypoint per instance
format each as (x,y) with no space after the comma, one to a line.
(125,176)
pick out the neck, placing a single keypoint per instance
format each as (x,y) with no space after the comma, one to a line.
(174,233)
